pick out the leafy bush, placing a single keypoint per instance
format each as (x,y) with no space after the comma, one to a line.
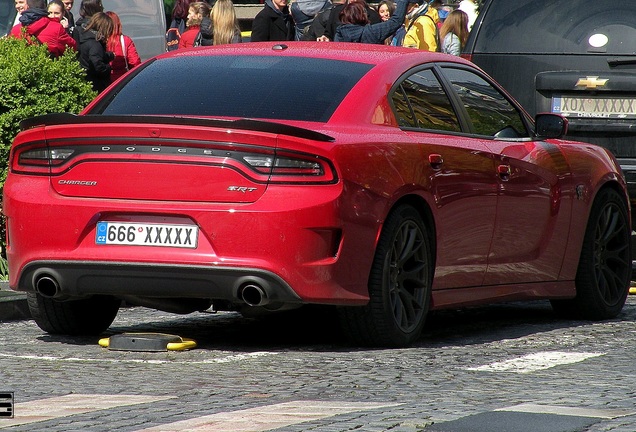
(34,84)
(31,83)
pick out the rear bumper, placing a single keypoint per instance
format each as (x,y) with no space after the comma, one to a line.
(76,279)
(307,247)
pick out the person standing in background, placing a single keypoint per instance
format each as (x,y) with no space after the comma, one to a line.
(334,19)
(88,8)
(470,8)
(123,48)
(454,32)
(222,27)
(93,56)
(421,30)
(317,28)
(273,23)
(386,8)
(68,5)
(177,24)
(36,27)
(20,6)
(57,11)
(191,37)
(355,25)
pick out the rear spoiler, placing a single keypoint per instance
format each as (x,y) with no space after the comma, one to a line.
(242,124)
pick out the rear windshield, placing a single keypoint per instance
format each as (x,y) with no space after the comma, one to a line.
(559,27)
(285,88)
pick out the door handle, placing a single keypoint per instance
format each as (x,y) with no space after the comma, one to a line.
(435,160)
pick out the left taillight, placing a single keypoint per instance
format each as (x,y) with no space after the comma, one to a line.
(38,158)
(44,156)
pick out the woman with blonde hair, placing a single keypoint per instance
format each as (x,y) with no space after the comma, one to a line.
(222,27)
(454,32)
(225,24)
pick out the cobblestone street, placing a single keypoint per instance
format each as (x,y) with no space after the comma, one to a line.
(499,368)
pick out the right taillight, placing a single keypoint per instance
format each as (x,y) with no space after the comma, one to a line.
(292,168)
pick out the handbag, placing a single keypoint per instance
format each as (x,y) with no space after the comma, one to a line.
(123,50)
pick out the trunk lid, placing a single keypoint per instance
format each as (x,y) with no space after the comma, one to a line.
(164,159)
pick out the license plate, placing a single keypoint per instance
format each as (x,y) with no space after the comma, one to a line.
(594,107)
(141,234)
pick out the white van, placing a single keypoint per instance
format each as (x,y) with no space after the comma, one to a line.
(143,20)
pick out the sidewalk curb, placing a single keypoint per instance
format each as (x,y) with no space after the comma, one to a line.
(13,305)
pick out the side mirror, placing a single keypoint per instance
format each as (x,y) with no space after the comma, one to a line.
(550,125)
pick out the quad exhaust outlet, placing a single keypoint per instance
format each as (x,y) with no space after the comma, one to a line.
(47,286)
(253,295)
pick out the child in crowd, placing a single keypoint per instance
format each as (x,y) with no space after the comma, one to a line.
(191,37)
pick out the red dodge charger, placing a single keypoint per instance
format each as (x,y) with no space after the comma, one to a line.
(384,182)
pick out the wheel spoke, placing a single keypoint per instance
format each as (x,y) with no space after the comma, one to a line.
(407,275)
(611,253)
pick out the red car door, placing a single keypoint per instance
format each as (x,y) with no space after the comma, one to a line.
(464,186)
(459,171)
(533,215)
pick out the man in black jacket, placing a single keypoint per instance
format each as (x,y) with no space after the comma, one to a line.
(273,23)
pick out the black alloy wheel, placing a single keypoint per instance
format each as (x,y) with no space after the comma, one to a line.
(604,271)
(399,285)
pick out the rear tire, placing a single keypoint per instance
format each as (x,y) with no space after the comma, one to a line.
(89,316)
(399,285)
(604,271)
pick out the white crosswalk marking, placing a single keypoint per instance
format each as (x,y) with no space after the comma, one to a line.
(63,406)
(227,359)
(535,362)
(569,411)
(267,417)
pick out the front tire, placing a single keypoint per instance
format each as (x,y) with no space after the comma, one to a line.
(89,316)
(604,271)
(399,285)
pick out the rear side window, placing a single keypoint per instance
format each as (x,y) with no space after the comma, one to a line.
(490,113)
(284,88)
(420,102)
(559,27)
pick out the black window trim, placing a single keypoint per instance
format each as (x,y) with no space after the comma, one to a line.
(467,128)
(525,118)
(397,86)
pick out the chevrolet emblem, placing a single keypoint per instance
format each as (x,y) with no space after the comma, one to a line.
(591,82)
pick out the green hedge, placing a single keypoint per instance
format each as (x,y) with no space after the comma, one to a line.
(31,83)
